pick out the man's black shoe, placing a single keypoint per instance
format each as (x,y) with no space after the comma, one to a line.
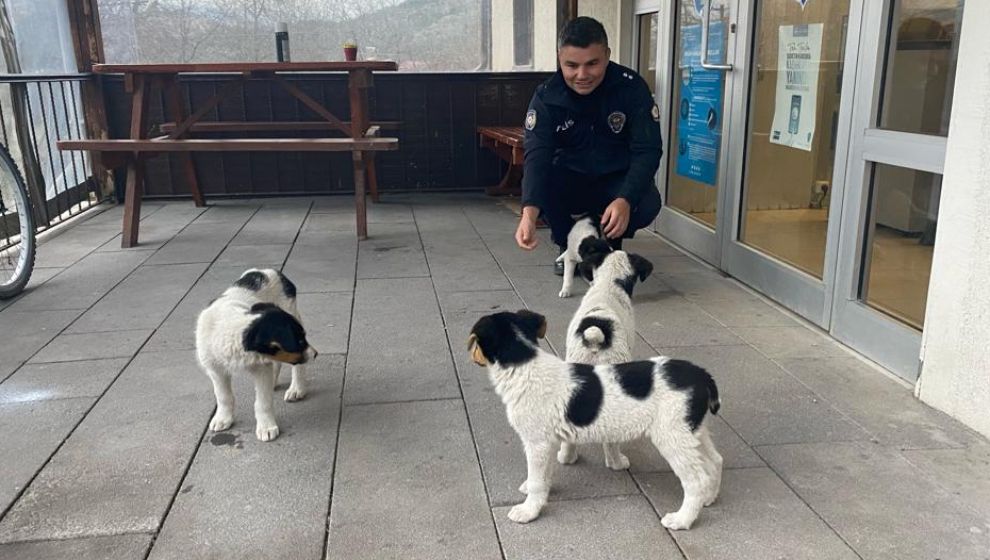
(558,265)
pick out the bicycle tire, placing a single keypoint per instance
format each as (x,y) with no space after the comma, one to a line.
(24,265)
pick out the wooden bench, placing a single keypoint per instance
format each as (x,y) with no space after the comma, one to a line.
(507,143)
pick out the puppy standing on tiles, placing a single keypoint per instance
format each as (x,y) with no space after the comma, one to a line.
(603,329)
(251,330)
(548,401)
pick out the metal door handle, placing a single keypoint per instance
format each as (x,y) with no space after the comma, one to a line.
(705,23)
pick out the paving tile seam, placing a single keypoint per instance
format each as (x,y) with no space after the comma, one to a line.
(405,401)
(659,516)
(325,549)
(457,378)
(82,418)
(205,270)
(553,500)
(783,480)
(53,399)
(78,538)
(178,487)
(292,244)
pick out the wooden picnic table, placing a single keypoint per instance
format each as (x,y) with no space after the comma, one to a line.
(361,139)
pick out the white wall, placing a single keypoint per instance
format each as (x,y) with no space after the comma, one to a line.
(616,17)
(956,373)
(502,35)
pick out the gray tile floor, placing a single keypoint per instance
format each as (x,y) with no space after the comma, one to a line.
(402,450)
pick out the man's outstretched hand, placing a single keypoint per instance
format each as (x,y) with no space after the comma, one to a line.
(615,219)
(526,232)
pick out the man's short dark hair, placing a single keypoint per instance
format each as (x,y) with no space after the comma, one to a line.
(582,32)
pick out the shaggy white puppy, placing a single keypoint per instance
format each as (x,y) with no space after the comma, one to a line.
(548,401)
(585,228)
(603,329)
(252,329)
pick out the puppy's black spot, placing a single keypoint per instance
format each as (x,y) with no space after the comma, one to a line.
(288,288)
(626,284)
(684,376)
(262,307)
(586,401)
(605,325)
(497,336)
(635,378)
(252,281)
(223,439)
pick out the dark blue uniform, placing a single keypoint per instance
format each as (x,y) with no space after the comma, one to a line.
(584,151)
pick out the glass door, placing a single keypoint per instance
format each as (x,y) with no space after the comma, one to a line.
(693,169)
(895,167)
(790,169)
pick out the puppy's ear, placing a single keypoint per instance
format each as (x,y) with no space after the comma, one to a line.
(484,340)
(477,356)
(532,323)
(642,266)
(594,250)
(587,270)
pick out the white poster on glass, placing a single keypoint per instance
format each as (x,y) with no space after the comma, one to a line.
(798,61)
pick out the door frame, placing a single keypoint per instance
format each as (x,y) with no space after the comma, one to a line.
(688,233)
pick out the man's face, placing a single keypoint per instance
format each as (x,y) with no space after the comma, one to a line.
(583,69)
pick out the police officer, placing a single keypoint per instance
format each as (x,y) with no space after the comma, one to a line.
(592,144)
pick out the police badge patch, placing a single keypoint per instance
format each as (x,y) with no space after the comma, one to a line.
(530,120)
(616,121)
(655,113)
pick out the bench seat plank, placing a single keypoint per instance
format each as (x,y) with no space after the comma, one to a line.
(235,145)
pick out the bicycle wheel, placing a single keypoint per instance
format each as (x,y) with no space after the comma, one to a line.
(16,229)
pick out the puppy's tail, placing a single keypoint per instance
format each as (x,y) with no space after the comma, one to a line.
(714,403)
(593,338)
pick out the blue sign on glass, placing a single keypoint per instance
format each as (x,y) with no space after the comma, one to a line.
(699,122)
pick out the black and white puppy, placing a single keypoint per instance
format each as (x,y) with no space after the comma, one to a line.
(603,329)
(548,400)
(586,227)
(252,329)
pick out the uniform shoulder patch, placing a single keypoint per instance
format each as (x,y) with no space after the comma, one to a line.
(530,119)
(655,113)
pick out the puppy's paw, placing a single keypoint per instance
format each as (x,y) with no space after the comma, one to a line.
(523,513)
(266,432)
(565,293)
(524,486)
(293,394)
(621,463)
(221,422)
(676,522)
(567,455)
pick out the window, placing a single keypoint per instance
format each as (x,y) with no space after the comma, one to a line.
(921,66)
(419,36)
(522,25)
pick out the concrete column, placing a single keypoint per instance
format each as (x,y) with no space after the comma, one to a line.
(956,352)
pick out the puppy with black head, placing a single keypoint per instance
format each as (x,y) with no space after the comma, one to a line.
(585,228)
(603,329)
(252,329)
(548,401)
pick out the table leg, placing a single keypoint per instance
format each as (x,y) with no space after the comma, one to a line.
(178,111)
(358,83)
(359,196)
(137,85)
(132,202)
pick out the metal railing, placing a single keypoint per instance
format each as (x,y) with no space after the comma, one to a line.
(36,111)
